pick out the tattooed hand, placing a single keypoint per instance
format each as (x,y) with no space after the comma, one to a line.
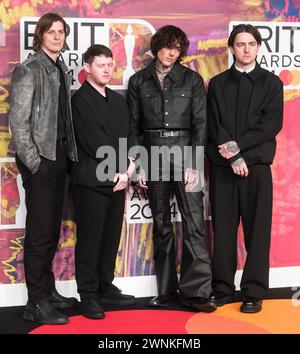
(191,179)
(229,149)
(240,168)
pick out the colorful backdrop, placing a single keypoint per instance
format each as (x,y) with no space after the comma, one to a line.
(207,25)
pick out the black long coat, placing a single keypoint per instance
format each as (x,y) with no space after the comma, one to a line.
(254,132)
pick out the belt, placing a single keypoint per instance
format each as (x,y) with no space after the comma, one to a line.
(61,142)
(167,133)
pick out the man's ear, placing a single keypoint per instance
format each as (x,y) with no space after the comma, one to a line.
(87,67)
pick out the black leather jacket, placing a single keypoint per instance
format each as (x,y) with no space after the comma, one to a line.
(181,104)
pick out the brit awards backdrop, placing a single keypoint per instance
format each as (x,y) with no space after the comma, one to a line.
(126,27)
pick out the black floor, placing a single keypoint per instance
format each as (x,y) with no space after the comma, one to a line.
(11,320)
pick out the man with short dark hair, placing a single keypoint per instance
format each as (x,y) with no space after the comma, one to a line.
(245,109)
(168,107)
(43,139)
(100,120)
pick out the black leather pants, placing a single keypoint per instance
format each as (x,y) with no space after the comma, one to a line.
(195,274)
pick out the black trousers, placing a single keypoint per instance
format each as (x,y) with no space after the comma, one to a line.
(195,269)
(249,199)
(44,197)
(99,217)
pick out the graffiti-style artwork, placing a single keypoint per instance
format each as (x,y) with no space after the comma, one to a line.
(128,26)
(11,255)
(10,196)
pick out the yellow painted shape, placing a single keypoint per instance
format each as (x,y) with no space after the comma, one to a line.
(277,317)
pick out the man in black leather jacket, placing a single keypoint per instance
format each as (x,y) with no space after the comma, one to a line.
(167,102)
(43,139)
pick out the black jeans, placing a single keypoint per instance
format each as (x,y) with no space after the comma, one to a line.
(44,197)
(195,269)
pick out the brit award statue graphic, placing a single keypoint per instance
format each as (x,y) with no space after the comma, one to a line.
(129,42)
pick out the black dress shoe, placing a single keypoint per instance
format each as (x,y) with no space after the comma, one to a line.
(220,299)
(200,304)
(44,312)
(60,302)
(251,305)
(164,300)
(111,295)
(91,308)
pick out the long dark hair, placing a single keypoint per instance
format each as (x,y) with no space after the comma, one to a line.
(43,25)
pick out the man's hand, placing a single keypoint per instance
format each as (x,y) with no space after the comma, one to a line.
(131,167)
(240,167)
(142,182)
(229,149)
(121,180)
(191,179)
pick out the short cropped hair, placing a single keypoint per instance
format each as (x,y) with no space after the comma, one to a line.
(96,50)
(168,37)
(241,28)
(43,25)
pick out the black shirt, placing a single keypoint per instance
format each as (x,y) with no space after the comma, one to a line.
(62,103)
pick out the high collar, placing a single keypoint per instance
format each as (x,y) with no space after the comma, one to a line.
(175,74)
(245,71)
(253,75)
(161,68)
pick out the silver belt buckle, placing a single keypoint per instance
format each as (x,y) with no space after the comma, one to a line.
(167,134)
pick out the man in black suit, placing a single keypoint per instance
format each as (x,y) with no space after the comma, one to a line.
(245,110)
(100,119)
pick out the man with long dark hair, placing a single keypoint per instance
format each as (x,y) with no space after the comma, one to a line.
(43,139)
(245,109)
(168,107)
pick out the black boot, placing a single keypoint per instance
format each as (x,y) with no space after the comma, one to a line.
(60,302)
(91,308)
(220,299)
(165,300)
(251,305)
(113,296)
(200,304)
(43,312)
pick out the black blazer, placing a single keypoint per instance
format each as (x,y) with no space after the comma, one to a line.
(97,123)
(256,139)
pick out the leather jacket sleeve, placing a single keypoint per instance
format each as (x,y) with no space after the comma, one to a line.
(21,116)
(199,113)
(135,111)
(199,119)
